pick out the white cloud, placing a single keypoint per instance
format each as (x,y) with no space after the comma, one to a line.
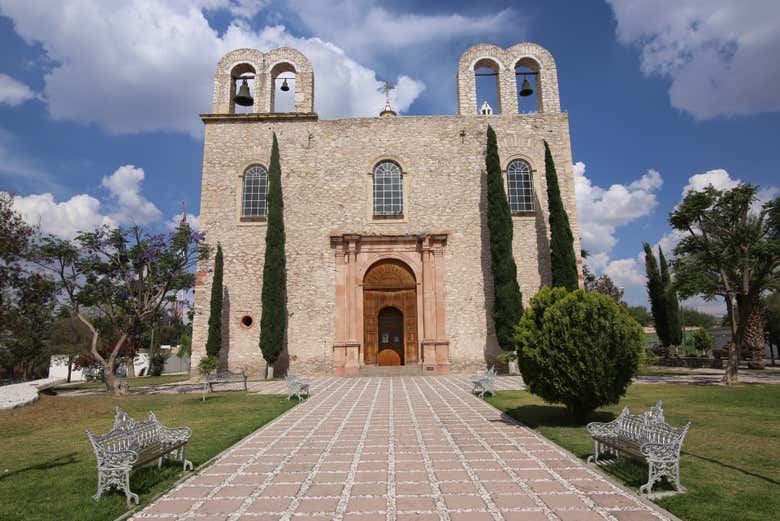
(192,219)
(240,8)
(718,178)
(720,55)
(367,29)
(64,219)
(625,272)
(148,65)
(601,211)
(125,188)
(13,92)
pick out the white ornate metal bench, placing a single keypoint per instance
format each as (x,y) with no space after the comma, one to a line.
(132,444)
(646,437)
(225,377)
(485,382)
(297,387)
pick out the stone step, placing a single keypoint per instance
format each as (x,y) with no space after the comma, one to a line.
(400,370)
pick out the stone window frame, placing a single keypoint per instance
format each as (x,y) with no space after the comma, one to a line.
(534,185)
(243,220)
(404,217)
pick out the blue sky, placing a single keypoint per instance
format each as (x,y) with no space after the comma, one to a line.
(99,100)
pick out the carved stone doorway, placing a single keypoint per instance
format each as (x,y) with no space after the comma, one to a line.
(390,314)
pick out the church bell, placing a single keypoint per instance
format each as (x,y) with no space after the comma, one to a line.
(244,98)
(284,86)
(525,88)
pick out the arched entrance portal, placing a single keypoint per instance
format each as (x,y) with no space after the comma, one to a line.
(390,314)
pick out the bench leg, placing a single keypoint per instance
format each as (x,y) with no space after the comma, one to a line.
(185,463)
(595,457)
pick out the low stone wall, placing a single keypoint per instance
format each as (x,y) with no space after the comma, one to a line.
(17,395)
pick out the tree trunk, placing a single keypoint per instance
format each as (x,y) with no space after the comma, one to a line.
(754,339)
(113,383)
(130,364)
(70,366)
(732,363)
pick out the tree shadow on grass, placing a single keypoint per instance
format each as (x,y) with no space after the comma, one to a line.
(732,467)
(59,461)
(535,416)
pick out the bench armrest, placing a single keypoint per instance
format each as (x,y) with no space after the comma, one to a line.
(659,452)
(120,459)
(602,428)
(175,433)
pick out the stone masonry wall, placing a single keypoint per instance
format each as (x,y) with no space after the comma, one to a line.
(327,187)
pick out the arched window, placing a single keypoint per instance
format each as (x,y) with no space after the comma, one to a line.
(388,190)
(520,186)
(255,193)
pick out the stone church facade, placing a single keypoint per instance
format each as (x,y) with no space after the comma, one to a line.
(388,261)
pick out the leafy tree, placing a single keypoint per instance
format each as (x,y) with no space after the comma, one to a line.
(27,324)
(206,366)
(695,318)
(273,321)
(507,300)
(641,315)
(15,238)
(115,280)
(69,336)
(699,342)
(562,257)
(577,348)
(214,340)
(729,251)
(672,305)
(606,286)
(657,296)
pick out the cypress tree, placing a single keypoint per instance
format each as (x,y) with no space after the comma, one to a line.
(214,339)
(273,321)
(507,300)
(562,257)
(671,304)
(657,295)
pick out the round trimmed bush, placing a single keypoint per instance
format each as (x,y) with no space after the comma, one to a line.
(577,348)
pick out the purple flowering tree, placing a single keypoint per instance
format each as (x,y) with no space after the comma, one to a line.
(116,280)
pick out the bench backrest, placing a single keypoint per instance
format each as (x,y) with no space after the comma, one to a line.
(226,375)
(127,434)
(650,427)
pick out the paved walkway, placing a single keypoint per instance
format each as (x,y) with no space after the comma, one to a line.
(422,448)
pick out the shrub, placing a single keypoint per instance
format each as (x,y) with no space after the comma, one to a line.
(577,348)
(207,365)
(157,362)
(699,343)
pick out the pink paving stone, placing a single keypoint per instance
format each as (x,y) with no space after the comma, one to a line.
(460,487)
(546,486)
(281,489)
(574,473)
(503,487)
(464,502)
(197,492)
(593,485)
(364,517)
(317,505)
(367,504)
(372,489)
(213,506)
(265,504)
(417,504)
(612,500)
(236,491)
(170,507)
(418,517)
(513,501)
(563,501)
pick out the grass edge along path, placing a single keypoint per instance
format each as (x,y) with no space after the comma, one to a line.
(48,469)
(731,459)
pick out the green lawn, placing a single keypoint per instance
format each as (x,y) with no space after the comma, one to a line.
(140,381)
(47,467)
(731,457)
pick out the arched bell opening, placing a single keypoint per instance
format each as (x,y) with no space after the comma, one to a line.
(242,88)
(528,82)
(283,76)
(487,86)
(390,314)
